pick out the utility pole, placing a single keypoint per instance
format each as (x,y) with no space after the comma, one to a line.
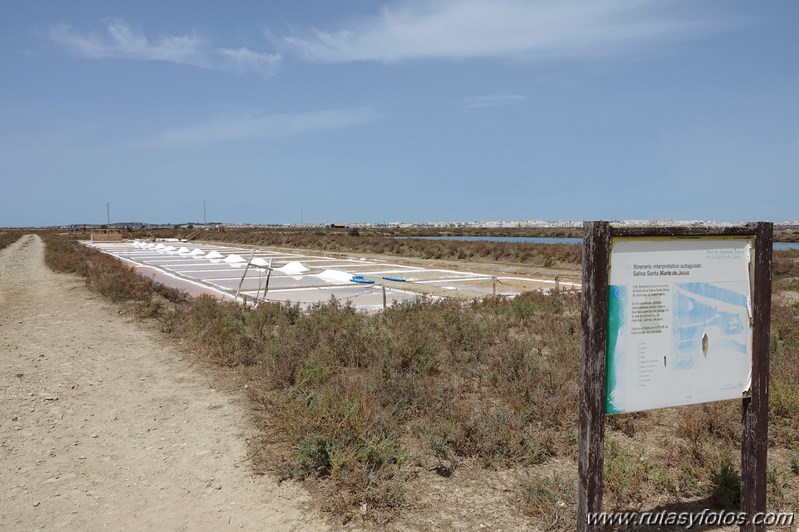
(204,219)
(108,213)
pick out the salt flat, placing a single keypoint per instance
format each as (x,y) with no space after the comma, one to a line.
(308,278)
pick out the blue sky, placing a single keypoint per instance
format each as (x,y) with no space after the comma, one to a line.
(357,111)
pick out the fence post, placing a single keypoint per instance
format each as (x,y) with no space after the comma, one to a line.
(754,441)
(590,460)
(245,274)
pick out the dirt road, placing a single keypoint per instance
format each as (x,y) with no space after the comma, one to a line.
(105,426)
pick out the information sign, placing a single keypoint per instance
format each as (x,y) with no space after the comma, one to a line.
(679,321)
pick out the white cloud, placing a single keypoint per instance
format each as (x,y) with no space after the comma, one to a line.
(255,125)
(120,41)
(244,60)
(493,100)
(518,29)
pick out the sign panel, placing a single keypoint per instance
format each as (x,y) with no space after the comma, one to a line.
(679,321)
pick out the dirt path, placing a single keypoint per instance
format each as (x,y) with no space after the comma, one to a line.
(105,426)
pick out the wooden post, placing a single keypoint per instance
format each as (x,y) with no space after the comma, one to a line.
(268,276)
(245,274)
(384,297)
(754,442)
(590,461)
(494,283)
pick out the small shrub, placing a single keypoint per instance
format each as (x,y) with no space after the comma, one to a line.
(795,463)
(552,499)
(725,484)
(314,455)
(627,475)
(776,486)
(627,424)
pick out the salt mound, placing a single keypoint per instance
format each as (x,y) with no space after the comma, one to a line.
(182,251)
(169,249)
(159,246)
(214,255)
(196,251)
(258,261)
(335,276)
(234,258)
(293,268)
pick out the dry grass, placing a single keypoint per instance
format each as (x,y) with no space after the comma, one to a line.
(363,399)
(357,405)
(107,275)
(9,236)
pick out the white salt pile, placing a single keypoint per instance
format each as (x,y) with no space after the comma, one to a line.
(293,268)
(261,263)
(335,276)
(196,252)
(183,251)
(214,255)
(232,258)
(159,246)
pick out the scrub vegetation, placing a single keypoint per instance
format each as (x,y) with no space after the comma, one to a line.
(9,236)
(106,275)
(358,405)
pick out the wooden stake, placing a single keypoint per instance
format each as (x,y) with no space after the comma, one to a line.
(245,273)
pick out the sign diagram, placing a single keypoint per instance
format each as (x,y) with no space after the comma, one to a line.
(679,322)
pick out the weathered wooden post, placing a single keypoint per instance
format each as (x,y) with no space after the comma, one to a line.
(245,275)
(754,441)
(593,316)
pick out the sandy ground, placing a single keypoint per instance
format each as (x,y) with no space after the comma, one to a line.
(103,425)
